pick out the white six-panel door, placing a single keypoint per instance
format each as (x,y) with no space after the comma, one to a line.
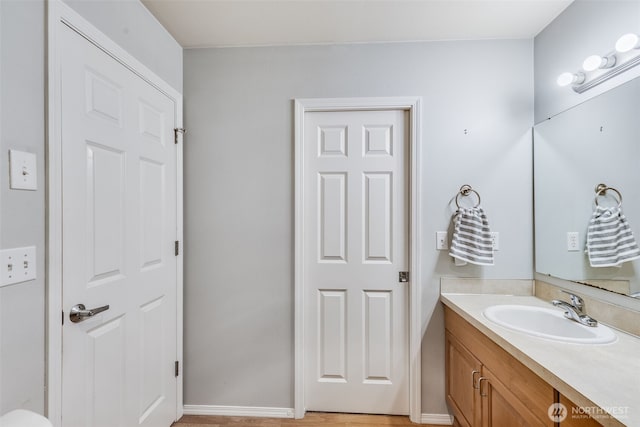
(119,227)
(356,228)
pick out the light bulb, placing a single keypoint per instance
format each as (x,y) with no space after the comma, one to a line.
(565,79)
(627,42)
(594,62)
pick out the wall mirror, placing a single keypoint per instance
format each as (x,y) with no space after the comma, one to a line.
(595,142)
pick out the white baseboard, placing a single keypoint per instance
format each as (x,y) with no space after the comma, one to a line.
(238,411)
(255,411)
(437,419)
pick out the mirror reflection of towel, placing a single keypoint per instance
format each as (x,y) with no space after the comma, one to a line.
(610,241)
(471,241)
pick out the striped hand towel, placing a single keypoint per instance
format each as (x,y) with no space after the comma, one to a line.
(471,241)
(610,241)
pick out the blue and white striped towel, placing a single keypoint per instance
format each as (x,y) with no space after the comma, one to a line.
(471,241)
(610,241)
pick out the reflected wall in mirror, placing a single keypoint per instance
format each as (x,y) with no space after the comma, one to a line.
(595,142)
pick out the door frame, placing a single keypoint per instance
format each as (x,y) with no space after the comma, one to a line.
(59,14)
(412,105)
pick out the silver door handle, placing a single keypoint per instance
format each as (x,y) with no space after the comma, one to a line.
(80,313)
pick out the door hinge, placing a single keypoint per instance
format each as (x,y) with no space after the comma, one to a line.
(177,247)
(176,131)
(177,368)
(403,276)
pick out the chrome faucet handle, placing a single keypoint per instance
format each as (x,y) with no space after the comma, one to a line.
(576,301)
(571,312)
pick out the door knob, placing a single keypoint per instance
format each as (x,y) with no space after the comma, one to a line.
(80,313)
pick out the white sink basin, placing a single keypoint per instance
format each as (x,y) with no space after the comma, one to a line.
(548,323)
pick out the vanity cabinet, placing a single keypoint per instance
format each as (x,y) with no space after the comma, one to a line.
(487,387)
(576,421)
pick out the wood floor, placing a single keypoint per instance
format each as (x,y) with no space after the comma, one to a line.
(312,419)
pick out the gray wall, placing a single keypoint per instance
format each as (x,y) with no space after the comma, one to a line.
(239,191)
(586,27)
(22,64)
(22,126)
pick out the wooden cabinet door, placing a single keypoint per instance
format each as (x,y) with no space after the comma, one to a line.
(501,408)
(577,420)
(463,370)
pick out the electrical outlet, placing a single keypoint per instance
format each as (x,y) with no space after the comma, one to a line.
(441,240)
(573,241)
(495,240)
(17,265)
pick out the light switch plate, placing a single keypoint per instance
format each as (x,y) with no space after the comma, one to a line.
(17,265)
(23,170)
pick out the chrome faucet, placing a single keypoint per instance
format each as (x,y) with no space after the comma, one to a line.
(574,310)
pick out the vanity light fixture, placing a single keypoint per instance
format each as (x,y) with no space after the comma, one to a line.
(598,69)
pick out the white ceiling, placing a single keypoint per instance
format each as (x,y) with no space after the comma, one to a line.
(221,23)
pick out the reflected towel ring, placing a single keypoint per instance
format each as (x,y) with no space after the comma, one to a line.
(602,189)
(465,190)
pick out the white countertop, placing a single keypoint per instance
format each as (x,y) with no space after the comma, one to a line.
(602,375)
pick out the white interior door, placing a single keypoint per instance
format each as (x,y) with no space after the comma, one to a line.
(356,243)
(119,227)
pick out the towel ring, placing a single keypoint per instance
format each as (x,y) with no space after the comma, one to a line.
(465,190)
(602,189)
